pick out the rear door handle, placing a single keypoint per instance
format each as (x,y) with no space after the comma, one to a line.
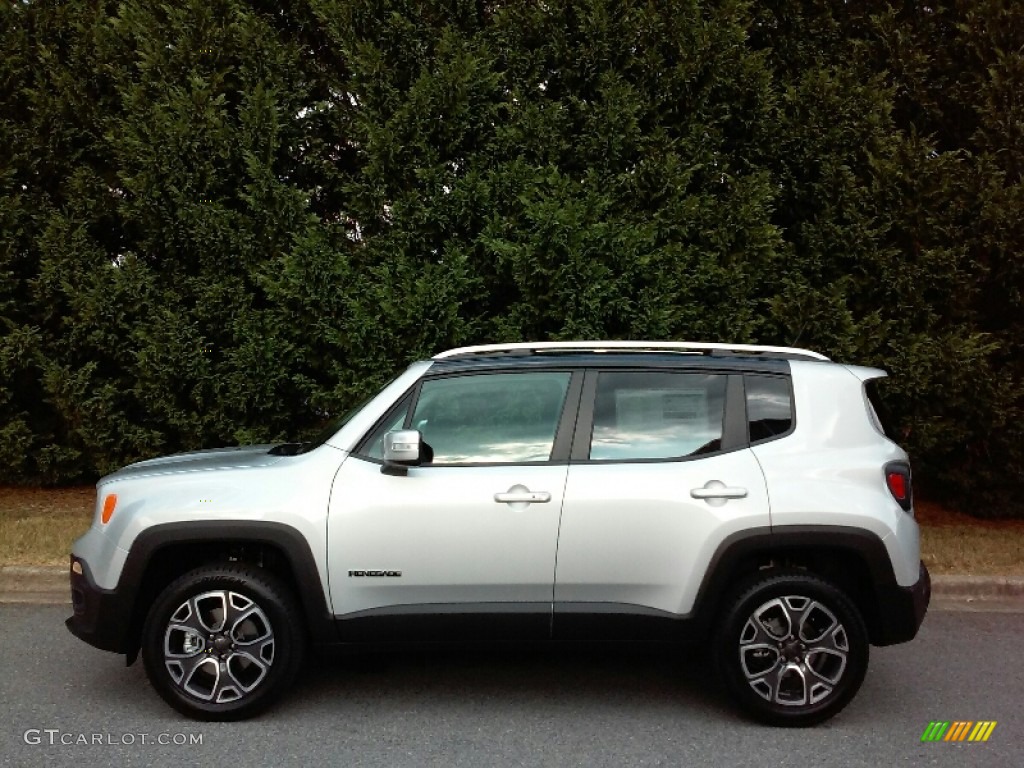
(716,489)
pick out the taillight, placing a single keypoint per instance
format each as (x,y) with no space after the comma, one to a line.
(897,478)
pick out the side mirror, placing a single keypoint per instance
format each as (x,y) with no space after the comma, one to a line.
(402,448)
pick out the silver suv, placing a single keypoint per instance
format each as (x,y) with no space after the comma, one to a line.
(743,497)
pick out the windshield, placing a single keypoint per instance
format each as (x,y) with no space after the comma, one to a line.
(330,429)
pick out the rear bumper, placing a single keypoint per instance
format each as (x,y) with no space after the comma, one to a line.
(100,617)
(901,610)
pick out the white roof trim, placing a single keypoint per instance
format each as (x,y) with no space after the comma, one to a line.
(633,346)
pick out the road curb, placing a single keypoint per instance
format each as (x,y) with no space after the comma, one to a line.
(49,584)
(979,587)
(34,584)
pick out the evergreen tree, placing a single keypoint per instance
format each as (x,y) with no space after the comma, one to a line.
(228,221)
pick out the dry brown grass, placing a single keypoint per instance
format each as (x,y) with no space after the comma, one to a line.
(37,527)
(956,543)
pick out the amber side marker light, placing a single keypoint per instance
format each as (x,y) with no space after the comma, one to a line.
(108,507)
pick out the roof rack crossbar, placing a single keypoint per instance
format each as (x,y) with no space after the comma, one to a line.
(628,346)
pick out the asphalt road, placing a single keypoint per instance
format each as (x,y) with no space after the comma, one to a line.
(577,707)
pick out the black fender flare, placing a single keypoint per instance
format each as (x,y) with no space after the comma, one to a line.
(781,541)
(289,541)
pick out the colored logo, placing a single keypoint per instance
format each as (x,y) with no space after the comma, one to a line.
(958,730)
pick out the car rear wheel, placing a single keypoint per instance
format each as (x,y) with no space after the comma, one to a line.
(223,642)
(792,649)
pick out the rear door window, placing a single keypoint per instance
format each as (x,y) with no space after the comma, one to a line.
(656,415)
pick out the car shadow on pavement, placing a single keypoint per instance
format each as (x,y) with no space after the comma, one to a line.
(583,676)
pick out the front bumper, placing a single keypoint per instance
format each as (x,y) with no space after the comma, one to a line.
(901,610)
(101,616)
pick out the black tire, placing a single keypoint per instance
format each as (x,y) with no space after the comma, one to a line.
(791,649)
(228,665)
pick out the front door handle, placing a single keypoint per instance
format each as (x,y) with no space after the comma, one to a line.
(715,489)
(520,494)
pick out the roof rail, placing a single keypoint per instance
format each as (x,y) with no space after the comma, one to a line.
(691,347)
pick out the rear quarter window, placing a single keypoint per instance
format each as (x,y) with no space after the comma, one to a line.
(769,406)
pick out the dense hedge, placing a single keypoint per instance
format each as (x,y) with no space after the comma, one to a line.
(223,221)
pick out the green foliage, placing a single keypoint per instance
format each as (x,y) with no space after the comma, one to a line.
(228,221)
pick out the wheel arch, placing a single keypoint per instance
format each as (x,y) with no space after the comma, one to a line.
(164,552)
(853,559)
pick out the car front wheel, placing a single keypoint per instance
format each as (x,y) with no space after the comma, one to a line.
(223,642)
(792,649)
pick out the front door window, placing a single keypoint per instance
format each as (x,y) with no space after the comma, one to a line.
(495,418)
